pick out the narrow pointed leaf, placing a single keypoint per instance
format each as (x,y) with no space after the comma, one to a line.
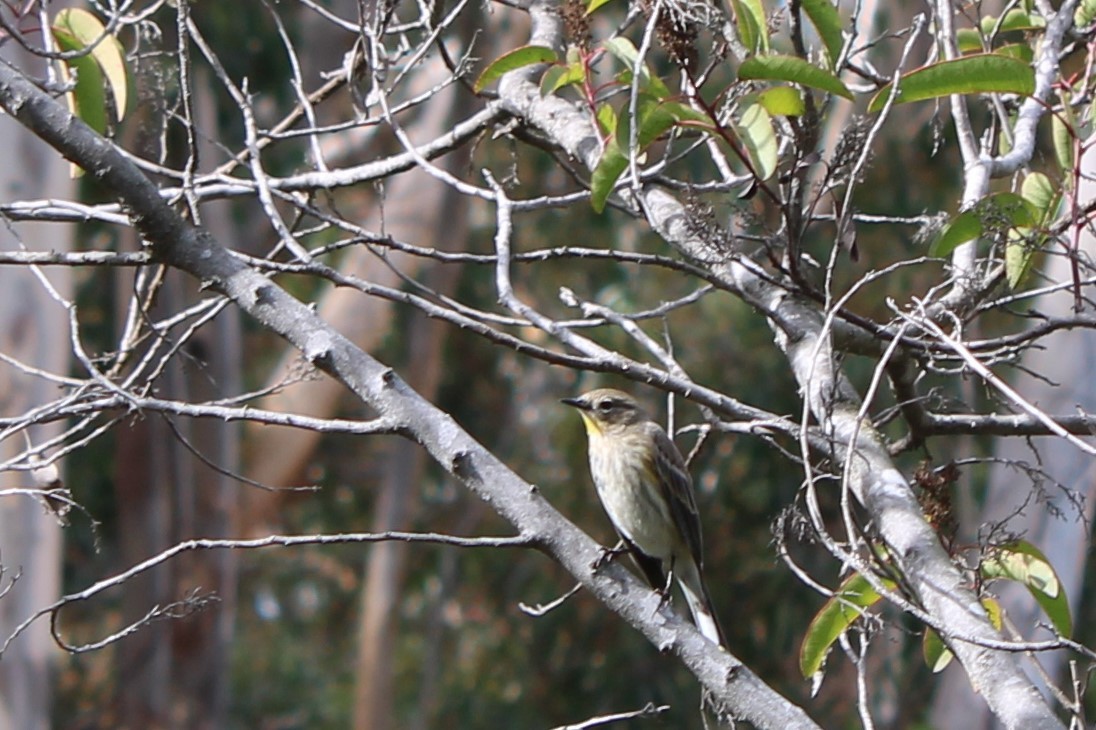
(757,11)
(997,211)
(1019,51)
(1023,562)
(793,70)
(80,29)
(836,615)
(748,31)
(1015,19)
(1019,255)
(827,22)
(557,76)
(980,74)
(607,118)
(622,49)
(1063,143)
(595,4)
(964,227)
(684,113)
(613,162)
(88,98)
(969,40)
(655,119)
(513,60)
(937,656)
(994,611)
(1044,199)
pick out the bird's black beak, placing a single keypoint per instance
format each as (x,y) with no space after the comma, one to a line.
(579,403)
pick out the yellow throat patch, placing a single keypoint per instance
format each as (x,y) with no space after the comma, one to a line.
(593,429)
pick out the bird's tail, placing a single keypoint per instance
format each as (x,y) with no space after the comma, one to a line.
(700,602)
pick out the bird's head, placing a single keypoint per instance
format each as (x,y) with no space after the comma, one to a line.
(607,409)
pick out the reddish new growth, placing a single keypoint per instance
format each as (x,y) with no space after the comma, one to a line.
(935,499)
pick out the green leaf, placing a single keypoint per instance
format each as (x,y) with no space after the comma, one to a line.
(1008,209)
(655,119)
(964,227)
(784,101)
(757,11)
(753,27)
(102,68)
(613,162)
(1042,194)
(623,50)
(1019,51)
(997,211)
(513,60)
(755,129)
(937,656)
(969,40)
(836,615)
(794,70)
(684,113)
(1019,255)
(1015,19)
(558,75)
(607,118)
(81,30)
(994,611)
(1060,133)
(827,22)
(595,4)
(979,74)
(1085,13)
(88,98)
(1023,562)
(1043,199)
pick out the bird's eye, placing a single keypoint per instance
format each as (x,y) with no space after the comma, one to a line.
(604,406)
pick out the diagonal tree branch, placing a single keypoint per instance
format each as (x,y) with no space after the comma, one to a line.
(177,243)
(934,580)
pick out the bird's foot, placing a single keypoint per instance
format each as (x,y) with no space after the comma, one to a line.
(665,593)
(609,554)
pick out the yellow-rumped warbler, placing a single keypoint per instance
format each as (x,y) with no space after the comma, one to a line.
(646,490)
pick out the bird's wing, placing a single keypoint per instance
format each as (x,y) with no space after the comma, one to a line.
(672,473)
(674,477)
